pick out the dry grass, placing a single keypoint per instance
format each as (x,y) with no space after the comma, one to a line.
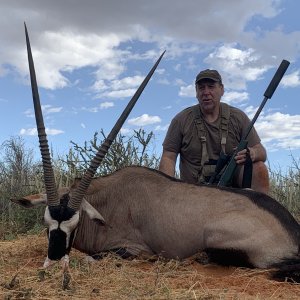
(113,278)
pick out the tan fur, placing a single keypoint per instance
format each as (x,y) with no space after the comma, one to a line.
(148,212)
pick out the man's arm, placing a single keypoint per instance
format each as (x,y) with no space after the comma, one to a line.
(168,163)
(257,153)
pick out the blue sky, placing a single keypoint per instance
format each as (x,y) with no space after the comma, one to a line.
(90,57)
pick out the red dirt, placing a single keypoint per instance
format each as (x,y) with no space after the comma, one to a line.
(114,278)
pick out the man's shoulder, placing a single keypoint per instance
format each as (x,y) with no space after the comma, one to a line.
(234,111)
(238,117)
(186,112)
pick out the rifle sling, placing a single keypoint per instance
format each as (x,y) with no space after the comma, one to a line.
(247,175)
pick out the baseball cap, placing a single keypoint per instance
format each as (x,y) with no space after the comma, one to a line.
(209,74)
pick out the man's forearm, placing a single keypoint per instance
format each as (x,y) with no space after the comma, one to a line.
(168,163)
(167,167)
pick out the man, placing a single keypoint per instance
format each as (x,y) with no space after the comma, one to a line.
(199,134)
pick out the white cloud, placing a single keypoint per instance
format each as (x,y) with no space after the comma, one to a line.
(235,97)
(118,88)
(126,131)
(100,85)
(3,71)
(280,131)
(187,91)
(46,110)
(286,143)
(144,120)
(53,131)
(106,105)
(49,109)
(33,131)
(163,81)
(127,82)
(177,67)
(251,111)
(29,113)
(28,131)
(179,82)
(75,51)
(162,128)
(83,125)
(68,37)
(117,94)
(160,71)
(237,66)
(273,45)
(291,80)
(95,109)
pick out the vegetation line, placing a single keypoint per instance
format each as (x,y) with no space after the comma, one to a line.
(21,175)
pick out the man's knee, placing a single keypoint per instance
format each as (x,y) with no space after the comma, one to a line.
(260,178)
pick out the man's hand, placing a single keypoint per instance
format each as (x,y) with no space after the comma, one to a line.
(241,156)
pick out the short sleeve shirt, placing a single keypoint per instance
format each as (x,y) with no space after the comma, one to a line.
(182,138)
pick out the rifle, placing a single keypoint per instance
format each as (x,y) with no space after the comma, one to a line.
(227,175)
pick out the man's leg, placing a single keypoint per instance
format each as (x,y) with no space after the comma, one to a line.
(260,177)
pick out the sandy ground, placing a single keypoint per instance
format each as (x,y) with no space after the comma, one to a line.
(114,278)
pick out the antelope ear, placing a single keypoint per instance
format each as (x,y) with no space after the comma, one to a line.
(31,200)
(92,212)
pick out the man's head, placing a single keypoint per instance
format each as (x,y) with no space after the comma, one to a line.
(209,90)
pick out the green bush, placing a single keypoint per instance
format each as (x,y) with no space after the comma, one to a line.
(285,187)
(124,151)
(20,175)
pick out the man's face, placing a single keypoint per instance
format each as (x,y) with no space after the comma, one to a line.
(209,93)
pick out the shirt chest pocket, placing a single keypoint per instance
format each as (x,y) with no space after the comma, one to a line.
(232,140)
(191,146)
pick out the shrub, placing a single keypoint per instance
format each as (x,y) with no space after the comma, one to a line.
(21,175)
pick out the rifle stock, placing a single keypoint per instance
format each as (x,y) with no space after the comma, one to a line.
(227,176)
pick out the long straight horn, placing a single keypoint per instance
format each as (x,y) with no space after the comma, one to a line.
(51,191)
(75,201)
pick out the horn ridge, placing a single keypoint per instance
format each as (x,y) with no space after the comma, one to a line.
(79,193)
(52,197)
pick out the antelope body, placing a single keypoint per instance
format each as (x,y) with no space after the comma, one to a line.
(146,211)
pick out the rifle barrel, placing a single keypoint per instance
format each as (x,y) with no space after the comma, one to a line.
(276,79)
(269,93)
(228,173)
